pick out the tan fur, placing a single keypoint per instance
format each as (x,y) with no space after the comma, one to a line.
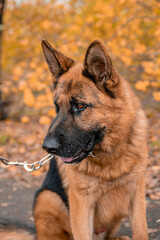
(105,189)
(51,217)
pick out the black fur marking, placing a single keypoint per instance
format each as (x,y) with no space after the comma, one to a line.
(56,106)
(55,82)
(110,93)
(53,183)
(93,78)
(70,85)
(89,75)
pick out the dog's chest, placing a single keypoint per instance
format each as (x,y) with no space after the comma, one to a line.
(112,204)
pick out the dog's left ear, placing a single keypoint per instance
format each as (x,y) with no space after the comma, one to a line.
(98,67)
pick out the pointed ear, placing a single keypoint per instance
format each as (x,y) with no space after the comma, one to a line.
(98,67)
(57,62)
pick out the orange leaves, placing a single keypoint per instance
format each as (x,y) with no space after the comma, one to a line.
(25,119)
(140,48)
(46,24)
(52,113)
(142,85)
(128,31)
(28,97)
(148,67)
(17,72)
(127,60)
(24,42)
(156,96)
(41,101)
(44,120)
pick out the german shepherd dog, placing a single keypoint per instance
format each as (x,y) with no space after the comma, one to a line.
(99,140)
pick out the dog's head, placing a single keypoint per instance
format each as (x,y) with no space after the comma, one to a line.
(87,100)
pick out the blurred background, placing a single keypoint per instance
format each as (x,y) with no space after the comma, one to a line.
(130,30)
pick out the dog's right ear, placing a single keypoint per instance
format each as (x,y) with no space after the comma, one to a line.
(57,62)
(98,67)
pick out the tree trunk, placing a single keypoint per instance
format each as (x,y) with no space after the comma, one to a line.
(2,104)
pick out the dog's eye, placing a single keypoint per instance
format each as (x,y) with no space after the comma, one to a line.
(80,106)
(77,107)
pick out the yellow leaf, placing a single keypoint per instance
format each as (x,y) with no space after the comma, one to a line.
(24,42)
(33,65)
(142,85)
(37,173)
(31,75)
(28,97)
(156,96)
(5,90)
(17,71)
(22,85)
(14,89)
(148,67)
(46,24)
(22,64)
(16,78)
(90,19)
(127,60)
(154,84)
(24,119)
(39,71)
(44,120)
(123,42)
(36,85)
(41,102)
(41,98)
(139,48)
(52,112)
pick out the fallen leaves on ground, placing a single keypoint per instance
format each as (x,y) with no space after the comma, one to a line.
(22,142)
(17,234)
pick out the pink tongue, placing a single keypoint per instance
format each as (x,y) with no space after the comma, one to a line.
(66,159)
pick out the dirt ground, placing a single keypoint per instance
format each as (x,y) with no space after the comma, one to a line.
(22,142)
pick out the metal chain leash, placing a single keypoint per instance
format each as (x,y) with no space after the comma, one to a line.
(29,167)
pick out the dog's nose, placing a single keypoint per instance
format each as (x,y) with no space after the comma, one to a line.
(51,145)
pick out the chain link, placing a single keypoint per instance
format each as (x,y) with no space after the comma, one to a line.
(29,167)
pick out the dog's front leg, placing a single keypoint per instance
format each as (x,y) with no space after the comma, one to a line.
(81,213)
(138,213)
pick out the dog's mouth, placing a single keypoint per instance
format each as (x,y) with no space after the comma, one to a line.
(82,154)
(78,154)
(77,158)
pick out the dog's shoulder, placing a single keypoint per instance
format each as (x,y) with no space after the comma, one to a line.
(53,182)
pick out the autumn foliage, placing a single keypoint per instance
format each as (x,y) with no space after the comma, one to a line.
(129,28)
